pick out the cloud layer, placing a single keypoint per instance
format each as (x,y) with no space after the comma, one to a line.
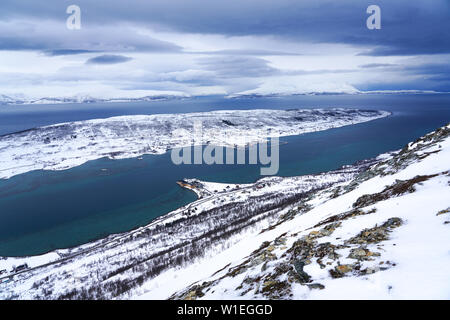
(108,59)
(222,47)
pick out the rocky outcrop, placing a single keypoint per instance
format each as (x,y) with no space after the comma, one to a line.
(337,245)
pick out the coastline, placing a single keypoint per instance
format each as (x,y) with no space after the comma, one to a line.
(67,145)
(236,220)
(202,204)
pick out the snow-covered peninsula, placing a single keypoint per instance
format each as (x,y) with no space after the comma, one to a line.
(66,145)
(377,229)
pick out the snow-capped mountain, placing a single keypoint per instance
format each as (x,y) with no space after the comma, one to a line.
(81,98)
(21,99)
(377,229)
(260,94)
(12,99)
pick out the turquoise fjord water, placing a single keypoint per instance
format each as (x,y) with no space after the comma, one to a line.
(44,210)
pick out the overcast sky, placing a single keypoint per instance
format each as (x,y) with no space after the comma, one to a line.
(199,47)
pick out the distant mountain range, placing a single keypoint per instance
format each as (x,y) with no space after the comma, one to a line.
(23,99)
(325,93)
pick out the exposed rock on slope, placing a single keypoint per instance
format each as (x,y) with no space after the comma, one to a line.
(378,229)
(383,235)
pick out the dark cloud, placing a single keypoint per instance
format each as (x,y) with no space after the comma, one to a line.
(66,52)
(320,71)
(108,59)
(237,66)
(376,65)
(437,74)
(429,68)
(246,52)
(408,27)
(54,38)
(419,76)
(113,29)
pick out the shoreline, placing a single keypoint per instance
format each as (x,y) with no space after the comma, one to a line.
(206,193)
(67,145)
(171,243)
(57,256)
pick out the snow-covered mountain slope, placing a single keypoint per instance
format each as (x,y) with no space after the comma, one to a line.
(119,264)
(66,145)
(377,229)
(384,235)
